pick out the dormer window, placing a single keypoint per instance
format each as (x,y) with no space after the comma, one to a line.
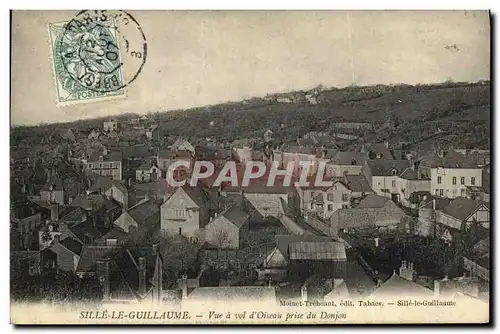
(100,158)
(394,171)
(353,161)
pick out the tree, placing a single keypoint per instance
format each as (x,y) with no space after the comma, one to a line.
(222,238)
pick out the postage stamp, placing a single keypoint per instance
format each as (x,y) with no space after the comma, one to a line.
(93,53)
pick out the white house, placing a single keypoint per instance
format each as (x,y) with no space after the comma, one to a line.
(110,125)
(186,212)
(450,174)
(459,215)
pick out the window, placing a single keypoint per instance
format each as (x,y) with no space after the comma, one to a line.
(180,230)
(330,197)
(454,180)
(90,165)
(100,165)
(111,242)
(330,207)
(312,194)
(462,180)
(394,183)
(439,179)
(311,206)
(441,192)
(473,180)
(394,172)
(462,192)
(345,206)
(454,191)
(403,191)
(345,198)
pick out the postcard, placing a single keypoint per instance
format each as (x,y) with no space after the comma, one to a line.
(250,167)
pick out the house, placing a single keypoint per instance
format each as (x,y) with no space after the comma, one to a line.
(459,216)
(358,184)
(94,135)
(167,157)
(301,256)
(396,179)
(186,212)
(399,287)
(127,275)
(69,135)
(323,201)
(147,172)
(477,263)
(26,230)
(152,132)
(345,162)
(182,145)
(429,207)
(110,125)
(88,202)
(66,254)
(378,151)
(112,134)
(268,136)
(450,173)
(296,154)
(261,201)
(120,193)
(106,164)
(228,229)
(53,191)
(144,216)
(372,213)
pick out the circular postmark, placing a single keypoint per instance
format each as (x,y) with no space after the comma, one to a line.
(102,51)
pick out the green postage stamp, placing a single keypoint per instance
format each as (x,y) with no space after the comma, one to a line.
(87,61)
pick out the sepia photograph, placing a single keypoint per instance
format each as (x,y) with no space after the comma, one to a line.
(250,167)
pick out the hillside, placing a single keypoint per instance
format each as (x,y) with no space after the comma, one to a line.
(422,115)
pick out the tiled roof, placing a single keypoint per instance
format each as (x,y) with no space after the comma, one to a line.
(317,250)
(461,208)
(235,215)
(197,194)
(398,286)
(90,254)
(90,202)
(372,201)
(349,158)
(358,183)
(451,159)
(300,150)
(143,210)
(73,245)
(382,149)
(138,152)
(383,167)
(111,156)
(283,241)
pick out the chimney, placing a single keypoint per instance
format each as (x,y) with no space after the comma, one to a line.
(184,286)
(103,276)
(130,182)
(142,276)
(376,242)
(155,249)
(437,288)
(386,144)
(406,271)
(303,293)
(54,212)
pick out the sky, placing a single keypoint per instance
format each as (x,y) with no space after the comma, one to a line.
(201,58)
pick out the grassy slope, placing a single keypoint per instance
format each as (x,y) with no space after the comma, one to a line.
(460,111)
